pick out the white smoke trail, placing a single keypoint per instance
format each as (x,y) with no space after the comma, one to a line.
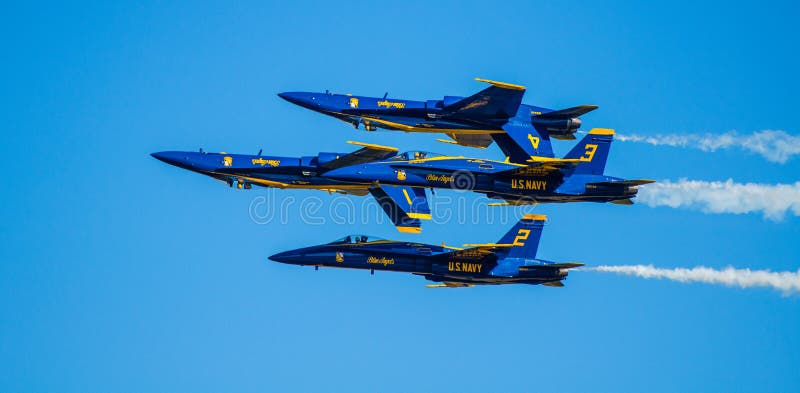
(772,200)
(776,146)
(787,282)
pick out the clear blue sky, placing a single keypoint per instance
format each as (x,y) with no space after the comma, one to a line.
(120,273)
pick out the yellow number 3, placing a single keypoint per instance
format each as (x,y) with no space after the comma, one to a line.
(590,150)
(522,235)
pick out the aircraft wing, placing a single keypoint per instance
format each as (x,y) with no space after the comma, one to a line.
(568,113)
(367,153)
(404,205)
(479,250)
(542,166)
(498,101)
(480,141)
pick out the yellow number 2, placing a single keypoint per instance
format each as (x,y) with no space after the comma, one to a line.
(522,235)
(590,150)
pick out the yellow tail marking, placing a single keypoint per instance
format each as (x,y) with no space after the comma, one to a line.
(408,198)
(522,235)
(536,217)
(601,131)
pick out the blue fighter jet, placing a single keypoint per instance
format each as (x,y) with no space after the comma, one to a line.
(578,177)
(398,181)
(510,261)
(493,114)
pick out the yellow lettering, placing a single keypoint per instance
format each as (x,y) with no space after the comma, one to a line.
(380,261)
(389,104)
(262,162)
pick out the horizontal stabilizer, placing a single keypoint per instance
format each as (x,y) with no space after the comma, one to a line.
(450,285)
(554,284)
(563,265)
(568,113)
(404,205)
(623,183)
(626,201)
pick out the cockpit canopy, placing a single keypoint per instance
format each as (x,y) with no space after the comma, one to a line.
(415,155)
(356,239)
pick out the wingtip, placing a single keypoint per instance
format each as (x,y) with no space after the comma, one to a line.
(501,84)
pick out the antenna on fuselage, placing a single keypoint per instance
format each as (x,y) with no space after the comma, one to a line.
(385,95)
(201,150)
(259,152)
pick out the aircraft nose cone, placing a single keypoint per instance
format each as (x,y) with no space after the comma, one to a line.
(170,157)
(179,159)
(287,257)
(303,99)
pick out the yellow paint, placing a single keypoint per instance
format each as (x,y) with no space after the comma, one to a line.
(501,84)
(535,217)
(438,178)
(227,161)
(380,261)
(409,229)
(408,198)
(373,146)
(339,257)
(464,267)
(601,131)
(528,184)
(450,247)
(553,160)
(353,102)
(419,216)
(493,245)
(262,162)
(401,175)
(591,148)
(534,141)
(522,235)
(389,104)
